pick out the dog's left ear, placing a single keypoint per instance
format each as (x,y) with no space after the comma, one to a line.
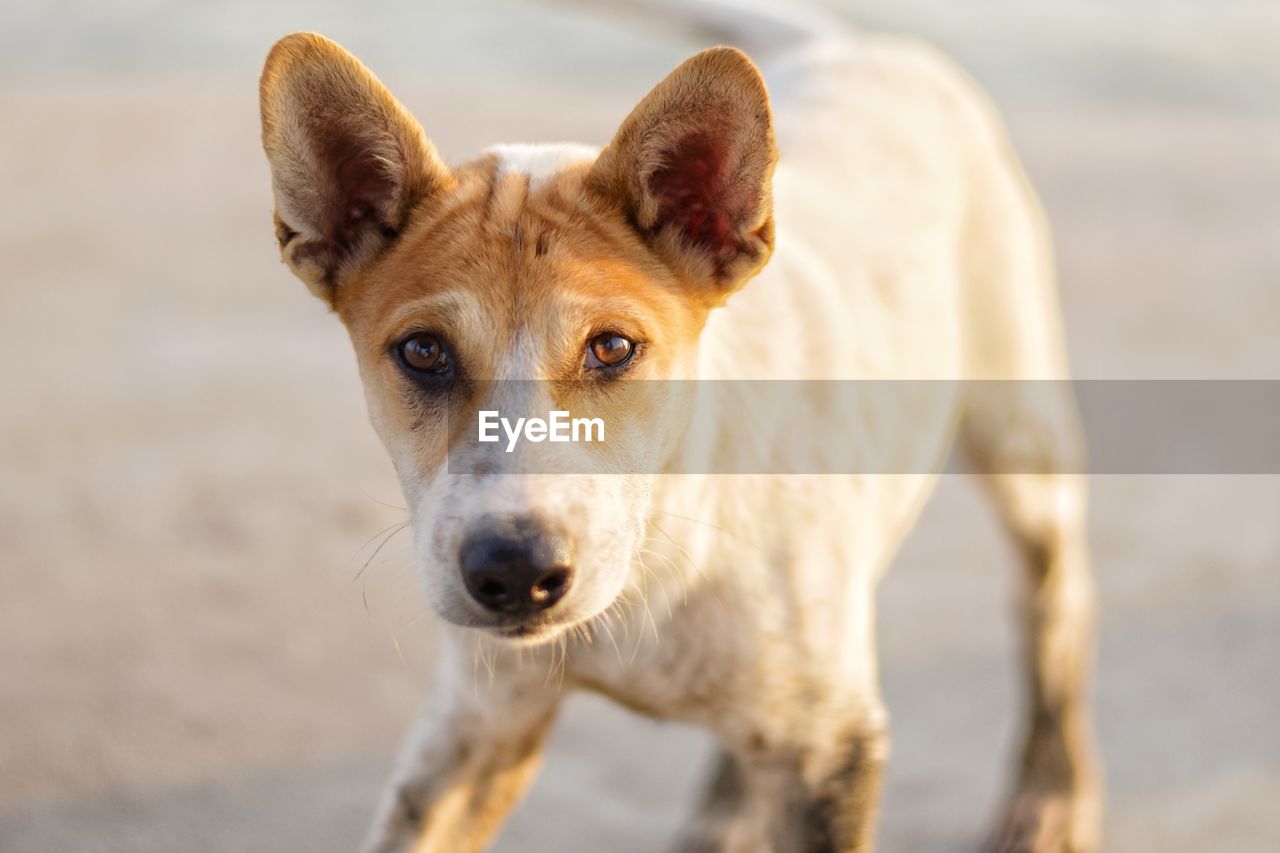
(692,168)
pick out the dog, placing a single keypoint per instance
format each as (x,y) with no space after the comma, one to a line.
(867,221)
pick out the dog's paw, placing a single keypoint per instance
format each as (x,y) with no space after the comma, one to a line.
(708,836)
(1047,822)
(724,834)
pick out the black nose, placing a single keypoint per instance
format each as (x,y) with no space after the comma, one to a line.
(516,566)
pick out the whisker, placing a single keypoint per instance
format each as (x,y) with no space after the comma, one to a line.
(605,624)
(395,528)
(485,658)
(647,573)
(653,623)
(383,503)
(716,527)
(639,641)
(671,564)
(551,663)
(684,587)
(699,570)
(695,567)
(678,547)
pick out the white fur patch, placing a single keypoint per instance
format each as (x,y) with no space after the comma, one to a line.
(540,162)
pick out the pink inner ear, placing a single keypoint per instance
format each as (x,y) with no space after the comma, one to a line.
(695,194)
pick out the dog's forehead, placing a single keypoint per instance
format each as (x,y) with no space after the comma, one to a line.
(518,245)
(540,163)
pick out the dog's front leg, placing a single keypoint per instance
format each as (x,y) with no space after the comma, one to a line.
(814,798)
(830,798)
(467,761)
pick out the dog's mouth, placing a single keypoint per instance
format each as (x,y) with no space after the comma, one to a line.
(527,634)
(535,631)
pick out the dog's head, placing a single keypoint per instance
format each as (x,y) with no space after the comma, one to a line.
(576,269)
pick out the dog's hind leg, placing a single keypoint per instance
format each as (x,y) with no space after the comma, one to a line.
(1022,431)
(1055,803)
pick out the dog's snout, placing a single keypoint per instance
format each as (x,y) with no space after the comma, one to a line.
(516,566)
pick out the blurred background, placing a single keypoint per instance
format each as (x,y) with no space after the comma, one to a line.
(200,648)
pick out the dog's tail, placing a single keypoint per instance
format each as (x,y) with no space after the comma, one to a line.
(760,27)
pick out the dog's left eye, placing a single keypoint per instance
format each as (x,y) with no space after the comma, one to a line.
(609,350)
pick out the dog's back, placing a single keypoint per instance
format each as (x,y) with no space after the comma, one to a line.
(909,247)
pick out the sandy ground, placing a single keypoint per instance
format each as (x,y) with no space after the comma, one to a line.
(191,656)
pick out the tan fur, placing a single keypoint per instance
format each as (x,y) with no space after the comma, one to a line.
(320,107)
(908,246)
(718,92)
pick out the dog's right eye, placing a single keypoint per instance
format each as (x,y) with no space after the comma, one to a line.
(609,349)
(424,353)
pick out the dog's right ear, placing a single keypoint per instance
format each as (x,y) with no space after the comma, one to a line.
(692,168)
(348,162)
